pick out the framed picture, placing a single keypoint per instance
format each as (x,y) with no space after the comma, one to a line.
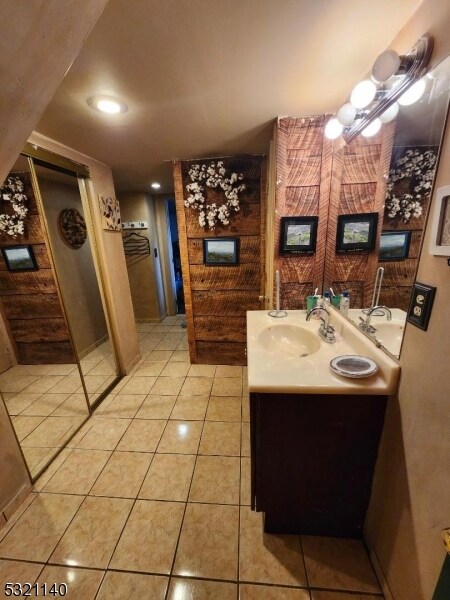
(221,251)
(110,211)
(394,245)
(356,233)
(20,258)
(420,306)
(440,228)
(298,235)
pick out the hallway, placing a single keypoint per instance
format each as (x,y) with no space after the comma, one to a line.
(151,499)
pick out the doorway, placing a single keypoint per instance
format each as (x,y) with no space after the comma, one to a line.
(176,256)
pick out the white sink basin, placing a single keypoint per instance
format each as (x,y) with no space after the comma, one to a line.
(288,340)
(388,333)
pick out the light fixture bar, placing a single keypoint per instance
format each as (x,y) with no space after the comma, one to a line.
(419,56)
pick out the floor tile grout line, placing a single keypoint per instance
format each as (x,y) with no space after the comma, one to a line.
(136,498)
(238,570)
(303,560)
(72,519)
(185,507)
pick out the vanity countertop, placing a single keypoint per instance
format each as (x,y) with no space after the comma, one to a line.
(271,369)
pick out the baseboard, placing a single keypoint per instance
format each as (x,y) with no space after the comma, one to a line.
(132,364)
(14,504)
(156,321)
(93,346)
(380,575)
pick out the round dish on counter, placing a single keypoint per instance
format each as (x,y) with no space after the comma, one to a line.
(353,366)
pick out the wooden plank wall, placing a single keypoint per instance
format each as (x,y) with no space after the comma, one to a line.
(399,275)
(304,163)
(358,185)
(30,299)
(217,298)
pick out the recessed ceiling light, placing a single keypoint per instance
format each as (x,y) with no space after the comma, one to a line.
(107,104)
(155,185)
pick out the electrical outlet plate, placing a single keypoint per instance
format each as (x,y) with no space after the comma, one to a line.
(420,306)
(446,538)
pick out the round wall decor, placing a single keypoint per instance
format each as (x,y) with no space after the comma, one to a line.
(72,227)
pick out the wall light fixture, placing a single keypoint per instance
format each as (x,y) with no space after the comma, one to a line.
(395,80)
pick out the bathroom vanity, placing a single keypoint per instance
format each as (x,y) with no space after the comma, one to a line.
(314,434)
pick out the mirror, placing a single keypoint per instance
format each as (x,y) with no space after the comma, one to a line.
(56,359)
(418,134)
(40,379)
(72,253)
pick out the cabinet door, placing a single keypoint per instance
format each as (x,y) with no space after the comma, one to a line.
(315,457)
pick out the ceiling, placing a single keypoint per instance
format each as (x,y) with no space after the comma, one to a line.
(207,77)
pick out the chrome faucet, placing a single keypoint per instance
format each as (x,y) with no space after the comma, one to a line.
(326,331)
(365,323)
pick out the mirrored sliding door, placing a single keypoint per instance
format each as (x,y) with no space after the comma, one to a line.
(40,378)
(72,249)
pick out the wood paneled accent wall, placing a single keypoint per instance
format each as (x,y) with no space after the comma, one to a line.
(217,298)
(358,185)
(30,299)
(399,275)
(316,178)
(303,175)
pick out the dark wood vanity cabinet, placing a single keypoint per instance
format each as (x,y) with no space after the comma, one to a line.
(312,460)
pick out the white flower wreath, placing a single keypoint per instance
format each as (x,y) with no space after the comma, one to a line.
(12,191)
(213,176)
(419,168)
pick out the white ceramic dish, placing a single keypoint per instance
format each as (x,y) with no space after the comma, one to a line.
(353,366)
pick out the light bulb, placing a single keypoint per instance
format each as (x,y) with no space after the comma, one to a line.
(333,129)
(413,94)
(363,93)
(107,104)
(385,66)
(346,114)
(372,128)
(390,113)
(155,185)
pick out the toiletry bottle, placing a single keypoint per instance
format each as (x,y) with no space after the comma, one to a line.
(327,299)
(319,303)
(344,303)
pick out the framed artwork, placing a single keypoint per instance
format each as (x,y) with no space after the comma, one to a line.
(110,210)
(356,233)
(420,306)
(298,235)
(440,227)
(72,228)
(20,258)
(221,251)
(394,245)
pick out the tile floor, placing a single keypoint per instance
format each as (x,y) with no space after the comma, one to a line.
(150,500)
(47,402)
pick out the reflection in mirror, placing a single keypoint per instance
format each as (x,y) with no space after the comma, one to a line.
(418,134)
(39,375)
(73,255)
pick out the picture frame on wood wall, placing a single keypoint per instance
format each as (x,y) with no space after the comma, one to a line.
(394,245)
(221,251)
(356,233)
(20,258)
(298,235)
